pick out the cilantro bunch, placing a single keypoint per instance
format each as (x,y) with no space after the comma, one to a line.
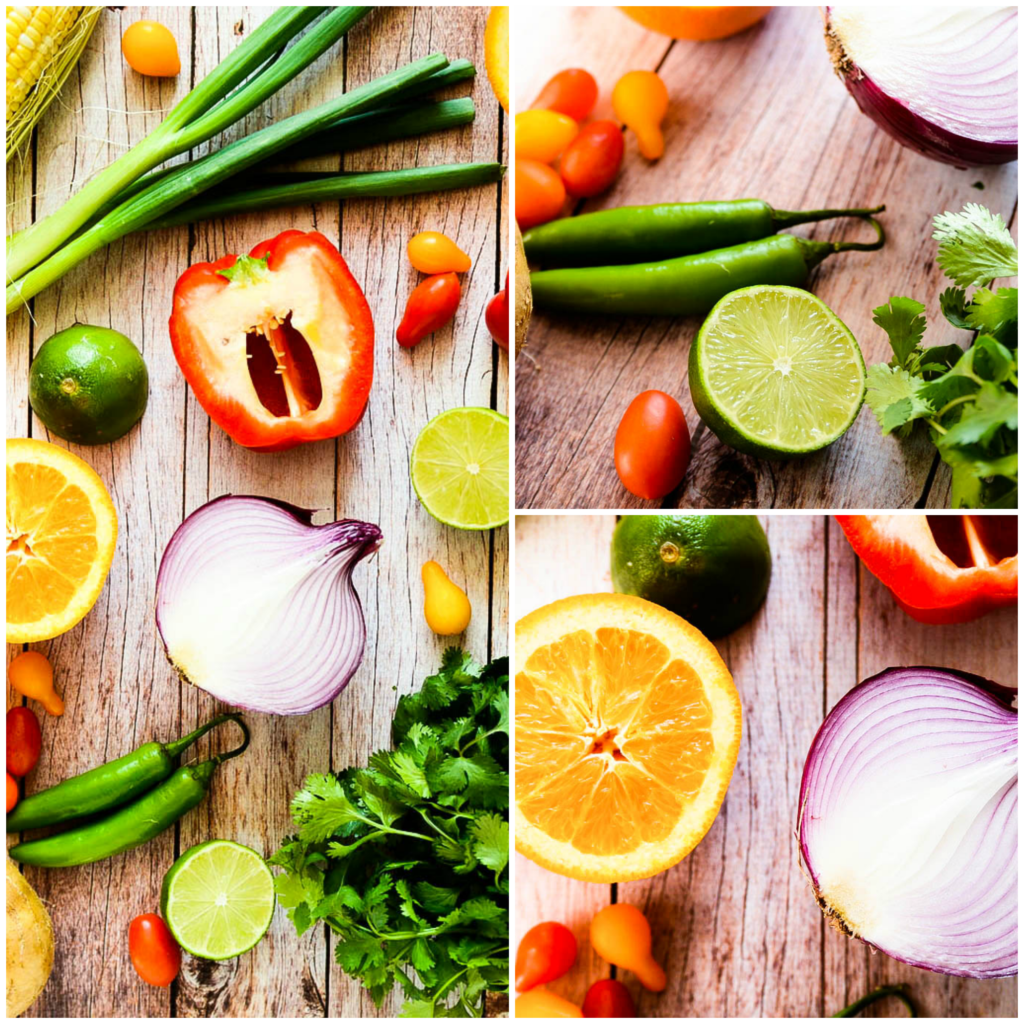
(407,859)
(967,399)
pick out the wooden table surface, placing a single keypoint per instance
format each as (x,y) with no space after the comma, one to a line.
(759,115)
(120,691)
(735,924)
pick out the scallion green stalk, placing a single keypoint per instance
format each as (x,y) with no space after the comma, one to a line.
(296,189)
(208,109)
(190,180)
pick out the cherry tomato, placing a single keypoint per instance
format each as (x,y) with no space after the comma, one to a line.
(539,193)
(572,92)
(539,1002)
(496,316)
(12,792)
(608,998)
(652,445)
(432,304)
(592,160)
(24,741)
(150,49)
(543,134)
(430,252)
(155,955)
(640,101)
(546,952)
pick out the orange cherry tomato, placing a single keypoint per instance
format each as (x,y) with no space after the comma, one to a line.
(24,741)
(640,101)
(608,998)
(592,160)
(539,193)
(543,134)
(31,674)
(432,304)
(539,1002)
(12,792)
(155,955)
(150,49)
(621,935)
(652,447)
(572,92)
(496,316)
(547,951)
(430,252)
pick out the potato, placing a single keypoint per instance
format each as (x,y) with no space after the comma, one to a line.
(29,943)
(524,297)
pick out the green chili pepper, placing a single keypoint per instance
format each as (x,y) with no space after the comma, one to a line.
(645,234)
(130,826)
(106,786)
(897,991)
(688,285)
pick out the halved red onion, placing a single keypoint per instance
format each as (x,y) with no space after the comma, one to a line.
(256,605)
(941,80)
(908,820)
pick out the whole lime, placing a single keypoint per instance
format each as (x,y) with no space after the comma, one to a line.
(711,570)
(88,384)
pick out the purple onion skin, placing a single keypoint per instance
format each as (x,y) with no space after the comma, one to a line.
(915,132)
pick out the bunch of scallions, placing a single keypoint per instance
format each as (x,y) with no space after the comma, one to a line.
(130,195)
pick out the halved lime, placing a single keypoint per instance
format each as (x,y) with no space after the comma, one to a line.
(218,899)
(459,468)
(775,373)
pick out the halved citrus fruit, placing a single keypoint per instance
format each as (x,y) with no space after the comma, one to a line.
(496,53)
(61,532)
(627,731)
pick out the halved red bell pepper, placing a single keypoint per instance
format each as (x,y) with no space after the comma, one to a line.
(940,569)
(276,345)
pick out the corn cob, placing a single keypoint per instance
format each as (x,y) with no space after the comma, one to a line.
(43,46)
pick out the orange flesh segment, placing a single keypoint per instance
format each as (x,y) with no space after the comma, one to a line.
(613,739)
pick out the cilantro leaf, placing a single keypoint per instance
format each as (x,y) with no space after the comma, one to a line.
(491,846)
(322,807)
(903,320)
(895,397)
(974,246)
(993,312)
(953,302)
(991,409)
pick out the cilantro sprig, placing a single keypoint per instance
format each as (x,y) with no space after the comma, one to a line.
(966,398)
(406,860)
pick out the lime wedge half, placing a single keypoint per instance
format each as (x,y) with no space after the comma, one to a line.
(218,899)
(775,373)
(459,467)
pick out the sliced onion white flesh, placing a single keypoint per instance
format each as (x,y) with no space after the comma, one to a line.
(908,820)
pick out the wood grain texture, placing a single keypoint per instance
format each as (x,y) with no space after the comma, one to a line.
(119,689)
(760,114)
(734,924)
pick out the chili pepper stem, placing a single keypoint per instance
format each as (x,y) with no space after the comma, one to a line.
(177,746)
(815,251)
(899,991)
(790,218)
(221,758)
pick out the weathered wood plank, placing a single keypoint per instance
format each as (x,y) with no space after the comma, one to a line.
(760,114)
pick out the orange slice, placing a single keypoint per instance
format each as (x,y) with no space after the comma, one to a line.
(61,532)
(496,53)
(626,735)
(697,22)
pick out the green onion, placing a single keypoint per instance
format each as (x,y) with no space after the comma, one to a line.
(190,180)
(296,189)
(208,109)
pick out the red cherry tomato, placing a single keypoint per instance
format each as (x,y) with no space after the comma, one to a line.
(496,316)
(155,955)
(608,998)
(539,193)
(652,445)
(572,92)
(12,792)
(24,741)
(546,952)
(432,304)
(591,162)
